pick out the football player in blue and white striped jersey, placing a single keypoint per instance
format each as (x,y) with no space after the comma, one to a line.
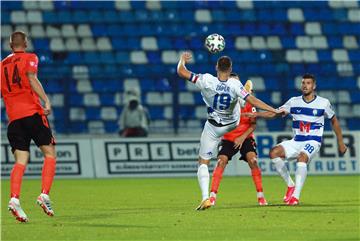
(308,112)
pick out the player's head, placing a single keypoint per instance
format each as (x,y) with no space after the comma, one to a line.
(224,64)
(18,40)
(308,84)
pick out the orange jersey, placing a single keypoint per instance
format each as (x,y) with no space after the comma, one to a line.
(245,123)
(20,101)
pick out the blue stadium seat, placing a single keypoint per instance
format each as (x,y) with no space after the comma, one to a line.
(154,57)
(11,5)
(107,57)
(63,17)
(50,17)
(5,17)
(96,16)
(92,113)
(106,99)
(77,127)
(76,100)
(91,58)
(156,112)
(353,124)
(99,30)
(275,124)
(111,126)
(80,17)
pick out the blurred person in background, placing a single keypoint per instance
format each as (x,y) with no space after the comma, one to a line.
(134,119)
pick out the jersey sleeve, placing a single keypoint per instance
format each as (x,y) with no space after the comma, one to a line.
(286,106)
(32,64)
(329,111)
(199,79)
(241,91)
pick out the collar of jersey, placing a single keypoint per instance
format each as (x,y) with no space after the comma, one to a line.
(309,101)
(222,80)
(17,52)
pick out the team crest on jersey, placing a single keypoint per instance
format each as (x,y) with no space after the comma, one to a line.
(315,112)
(209,153)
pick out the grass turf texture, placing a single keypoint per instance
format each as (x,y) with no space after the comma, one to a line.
(163,209)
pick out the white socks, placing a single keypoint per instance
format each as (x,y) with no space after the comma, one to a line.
(300,176)
(204,180)
(283,171)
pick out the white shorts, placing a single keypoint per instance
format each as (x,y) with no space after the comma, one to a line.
(210,138)
(293,148)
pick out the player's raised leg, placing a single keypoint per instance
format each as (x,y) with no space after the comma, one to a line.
(16,176)
(277,155)
(47,177)
(217,176)
(251,158)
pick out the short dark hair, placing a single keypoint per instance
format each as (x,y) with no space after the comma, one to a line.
(17,39)
(233,74)
(224,63)
(309,76)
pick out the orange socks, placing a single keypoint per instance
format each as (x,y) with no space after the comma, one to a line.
(256,175)
(48,173)
(16,176)
(216,179)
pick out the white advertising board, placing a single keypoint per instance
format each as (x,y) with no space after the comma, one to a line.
(74,159)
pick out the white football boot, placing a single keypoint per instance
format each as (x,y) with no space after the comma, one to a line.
(16,210)
(44,202)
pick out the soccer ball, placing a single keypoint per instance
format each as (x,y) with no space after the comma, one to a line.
(215,43)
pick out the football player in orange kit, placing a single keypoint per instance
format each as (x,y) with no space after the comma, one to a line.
(22,91)
(240,139)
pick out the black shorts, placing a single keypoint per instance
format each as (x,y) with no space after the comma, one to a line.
(227,148)
(22,131)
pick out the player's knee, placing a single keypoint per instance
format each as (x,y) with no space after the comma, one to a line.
(203,161)
(48,151)
(274,152)
(302,157)
(222,161)
(252,161)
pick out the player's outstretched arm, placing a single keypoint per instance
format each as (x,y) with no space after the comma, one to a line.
(261,105)
(337,129)
(39,90)
(182,71)
(264,114)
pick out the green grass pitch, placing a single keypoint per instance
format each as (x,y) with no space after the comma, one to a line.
(163,209)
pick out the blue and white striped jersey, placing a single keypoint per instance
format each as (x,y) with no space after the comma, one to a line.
(308,117)
(221,97)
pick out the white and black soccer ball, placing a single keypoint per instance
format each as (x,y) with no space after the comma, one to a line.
(215,43)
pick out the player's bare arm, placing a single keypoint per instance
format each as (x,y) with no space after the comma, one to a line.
(261,105)
(265,114)
(182,71)
(337,129)
(39,90)
(240,139)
